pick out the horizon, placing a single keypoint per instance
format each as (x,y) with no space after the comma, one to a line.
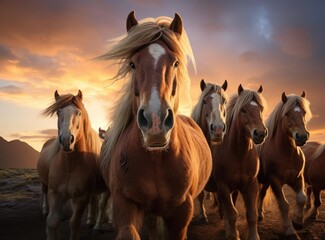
(48,46)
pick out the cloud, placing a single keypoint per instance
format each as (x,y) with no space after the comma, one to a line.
(6,54)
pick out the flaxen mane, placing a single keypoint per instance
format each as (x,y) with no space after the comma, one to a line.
(196,113)
(282,109)
(92,140)
(147,31)
(237,102)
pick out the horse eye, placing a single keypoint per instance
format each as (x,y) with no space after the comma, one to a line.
(132,65)
(243,110)
(78,113)
(176,64)
(204,102)
(58,112)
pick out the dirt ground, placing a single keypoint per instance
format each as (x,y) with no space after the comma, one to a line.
(20,218)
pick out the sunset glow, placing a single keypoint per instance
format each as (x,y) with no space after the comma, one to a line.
(50,45)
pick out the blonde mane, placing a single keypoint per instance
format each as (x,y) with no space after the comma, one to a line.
(236,102)
(147,31)
(282,109)
(196,113)
(91,137)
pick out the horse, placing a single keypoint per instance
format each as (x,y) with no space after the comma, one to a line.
(308,149)
(282,161)
(314,174)
(210,114)
(235,159)
(155,161)
(68,165)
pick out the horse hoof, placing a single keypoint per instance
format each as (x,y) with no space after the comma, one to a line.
(204,220)
(90,226)
(97,231)
(294,236)
(297,226)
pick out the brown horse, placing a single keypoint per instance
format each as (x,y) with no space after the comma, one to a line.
(68,165)
(235,159)
(210,114)
(314,173)
(155,161)
(282,162)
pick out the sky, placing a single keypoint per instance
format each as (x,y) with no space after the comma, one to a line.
(50,45)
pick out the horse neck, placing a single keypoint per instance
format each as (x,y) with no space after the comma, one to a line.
(205,129)
(282,140)
(236,140)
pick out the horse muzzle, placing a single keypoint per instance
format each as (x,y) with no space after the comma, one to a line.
(259,136)
(217,133)
(67,143)
(155,128)
(300,137)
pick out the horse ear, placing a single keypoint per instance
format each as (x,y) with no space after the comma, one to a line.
(260,90)
(56,95)
(240,89)
(284,97)
(131,21)
(177,24)
(79,94)
(224,85)
(202,85)
(303,94)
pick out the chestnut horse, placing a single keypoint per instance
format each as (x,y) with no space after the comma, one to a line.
(210,114)
(235,159)
(68,165)
(282,162)
(155,161)
(308,149)
(314,173)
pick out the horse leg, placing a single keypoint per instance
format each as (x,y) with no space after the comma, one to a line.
(250,195)
(284,209)
(44,201)
(317,203)
(103,201)
(127,217)
(92,211)
(203,216)
(177,224)
(308,193)
(79,206)
(54,217)
(261,197)
(298,214)
(234,196)
(229,213)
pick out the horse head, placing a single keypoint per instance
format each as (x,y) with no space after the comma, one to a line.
(250,114)
(69,123)
(214,110)
(154,70)
(294,121)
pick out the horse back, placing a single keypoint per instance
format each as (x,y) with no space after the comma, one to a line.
(309,149)
(316,169)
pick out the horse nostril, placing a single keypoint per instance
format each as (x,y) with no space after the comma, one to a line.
(212,128)
(255,133)
(297,136)
(169,120)
(142,120)
(71,139)
(60,139)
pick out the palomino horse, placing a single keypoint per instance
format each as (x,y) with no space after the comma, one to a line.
(282,162)
(155,161)
(210,114)
(235,159)
(314,173)
(68,165)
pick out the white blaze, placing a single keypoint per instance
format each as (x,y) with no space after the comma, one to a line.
(154,102)
(215,101)
(254,103)
(297,109)
(156,51)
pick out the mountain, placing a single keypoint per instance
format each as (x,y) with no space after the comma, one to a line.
(17,154)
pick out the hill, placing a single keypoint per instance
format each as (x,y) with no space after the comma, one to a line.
(17,154)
